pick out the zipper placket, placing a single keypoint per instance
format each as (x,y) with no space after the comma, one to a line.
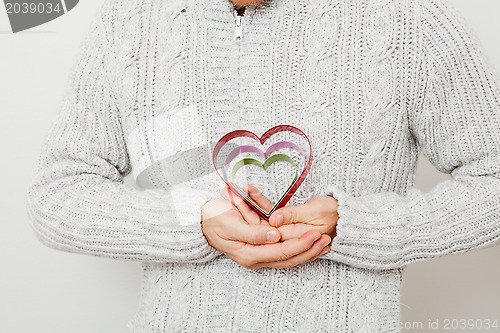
(237,39)
(238,31)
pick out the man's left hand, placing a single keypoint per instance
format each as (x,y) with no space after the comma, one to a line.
(319,213)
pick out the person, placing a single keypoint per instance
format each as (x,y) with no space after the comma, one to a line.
(371,82)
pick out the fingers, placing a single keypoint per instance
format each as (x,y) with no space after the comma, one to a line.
(310,254)
(258,197)
(226,230)
(237,229)
(246,212)
(249,254)
(325,250)
(287,215)
(249,245)
(295,230)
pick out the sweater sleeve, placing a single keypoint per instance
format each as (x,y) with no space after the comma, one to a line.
(77,200)
(457,127)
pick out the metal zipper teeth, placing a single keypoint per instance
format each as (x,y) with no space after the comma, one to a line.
(238,35)
(238,31)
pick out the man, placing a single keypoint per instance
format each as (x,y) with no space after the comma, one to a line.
(372,83)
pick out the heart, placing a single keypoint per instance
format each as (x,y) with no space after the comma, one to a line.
(270,160)
(285,197)
(247,148)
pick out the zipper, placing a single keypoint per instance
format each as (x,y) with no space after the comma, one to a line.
(238,35)
(238,31)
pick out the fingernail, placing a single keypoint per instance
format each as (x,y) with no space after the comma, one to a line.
(324,251)
(271,236)
(279,219)
(315,239)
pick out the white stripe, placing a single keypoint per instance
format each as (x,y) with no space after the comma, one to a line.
(64,6)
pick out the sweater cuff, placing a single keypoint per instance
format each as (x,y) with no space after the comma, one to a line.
(363,238)
(187,203)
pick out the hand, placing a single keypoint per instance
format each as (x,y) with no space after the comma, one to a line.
(246,243)
(252,217)
(319,213)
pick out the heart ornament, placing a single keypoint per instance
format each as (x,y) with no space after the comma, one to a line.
(228,174)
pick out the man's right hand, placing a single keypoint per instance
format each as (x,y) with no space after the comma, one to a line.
(247,244)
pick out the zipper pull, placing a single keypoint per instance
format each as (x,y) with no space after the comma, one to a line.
(238,31)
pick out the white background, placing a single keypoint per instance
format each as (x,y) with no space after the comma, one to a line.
(44,290)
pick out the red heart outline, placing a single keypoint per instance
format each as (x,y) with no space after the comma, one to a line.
(267,134)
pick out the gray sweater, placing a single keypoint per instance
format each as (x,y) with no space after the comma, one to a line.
(372,83)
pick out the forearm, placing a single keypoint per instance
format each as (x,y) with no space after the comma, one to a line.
(77,200)
(93,215)
(388,230)
(454,118)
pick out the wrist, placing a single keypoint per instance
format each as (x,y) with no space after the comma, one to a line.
(331,213)
(215,207)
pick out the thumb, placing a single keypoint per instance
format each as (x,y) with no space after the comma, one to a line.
(252,233)
(286,215)
(261,234)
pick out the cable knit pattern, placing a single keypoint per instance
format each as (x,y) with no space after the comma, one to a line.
(372,83)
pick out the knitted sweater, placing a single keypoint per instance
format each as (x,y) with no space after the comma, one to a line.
(371,82)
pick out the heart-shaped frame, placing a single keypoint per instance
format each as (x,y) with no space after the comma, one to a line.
(267,163)
(270,132)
